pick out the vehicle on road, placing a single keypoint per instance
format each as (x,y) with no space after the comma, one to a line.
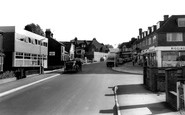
(112,60)
(73,66)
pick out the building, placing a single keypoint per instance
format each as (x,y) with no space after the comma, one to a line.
(163,41)
(1,52)
(89,48)
(24,51)
(69,50)
(56,51)
(162,46)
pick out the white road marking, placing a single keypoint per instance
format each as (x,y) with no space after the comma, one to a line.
(24,86)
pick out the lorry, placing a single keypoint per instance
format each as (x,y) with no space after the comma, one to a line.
(112,59)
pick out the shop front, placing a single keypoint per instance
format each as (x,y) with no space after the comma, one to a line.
(157,60)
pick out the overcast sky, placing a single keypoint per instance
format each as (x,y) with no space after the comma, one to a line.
(109,21)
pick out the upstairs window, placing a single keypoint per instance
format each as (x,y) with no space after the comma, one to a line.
(19,55)
(149,41)
(174,37)
(27,56)
(181,22)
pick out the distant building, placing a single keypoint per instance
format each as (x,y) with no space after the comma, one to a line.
(86,48)
(69,50)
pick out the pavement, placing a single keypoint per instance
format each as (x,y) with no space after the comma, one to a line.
(132,98)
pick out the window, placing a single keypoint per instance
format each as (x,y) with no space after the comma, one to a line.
(22,39)
(174,37)
(181,22)
(36,41)
(45,44)
(19,55)
(173,58)
(39,42)
(27,56)
(34,56)
(62,49)
(154,39)
(149,41)
(170,56)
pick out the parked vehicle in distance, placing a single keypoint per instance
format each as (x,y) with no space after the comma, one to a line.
(112,60)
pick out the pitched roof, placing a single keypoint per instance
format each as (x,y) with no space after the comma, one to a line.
(67,46)
(171,25)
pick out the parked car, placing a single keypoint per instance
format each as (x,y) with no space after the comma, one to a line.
(73,66)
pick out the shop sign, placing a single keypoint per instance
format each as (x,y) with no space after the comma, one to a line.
(51,53)
(177,48)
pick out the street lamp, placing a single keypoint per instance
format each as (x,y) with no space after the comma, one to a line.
(40,59)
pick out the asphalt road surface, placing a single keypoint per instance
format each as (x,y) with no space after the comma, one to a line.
(85,93)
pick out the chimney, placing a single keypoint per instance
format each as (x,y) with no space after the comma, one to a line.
(154,27)
(48,33)
(140,31)
(146,33)
(149,30)
(166,17)
(138,37)
(143,34)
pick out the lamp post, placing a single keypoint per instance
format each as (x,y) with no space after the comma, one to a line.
(40,58)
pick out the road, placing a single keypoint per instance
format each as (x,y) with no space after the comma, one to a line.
(85,93)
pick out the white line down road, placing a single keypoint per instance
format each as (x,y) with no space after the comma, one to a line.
(24,86)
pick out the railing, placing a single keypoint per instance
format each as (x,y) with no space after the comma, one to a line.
(181,96)
(175,88)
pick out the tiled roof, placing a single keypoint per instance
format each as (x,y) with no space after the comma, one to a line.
(67,46)
(171,25)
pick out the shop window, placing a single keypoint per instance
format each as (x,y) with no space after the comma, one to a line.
(174,37)
(181,56)
(173,59)
(170,56)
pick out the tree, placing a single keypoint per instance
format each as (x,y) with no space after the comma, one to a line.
(109,46)
(35,28)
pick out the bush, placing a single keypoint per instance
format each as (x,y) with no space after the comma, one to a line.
(7,74)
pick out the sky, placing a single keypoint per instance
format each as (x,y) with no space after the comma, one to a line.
(109,21)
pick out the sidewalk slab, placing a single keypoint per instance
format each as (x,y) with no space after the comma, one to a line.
(134,99)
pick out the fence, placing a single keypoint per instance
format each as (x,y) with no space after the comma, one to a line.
(175,88)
